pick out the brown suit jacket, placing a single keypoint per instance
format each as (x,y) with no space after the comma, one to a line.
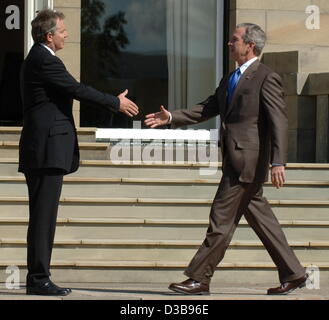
(254,126)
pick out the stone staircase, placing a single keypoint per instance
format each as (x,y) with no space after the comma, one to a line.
(135,223)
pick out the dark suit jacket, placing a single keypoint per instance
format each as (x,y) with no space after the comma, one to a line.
(254,126)
(49,138)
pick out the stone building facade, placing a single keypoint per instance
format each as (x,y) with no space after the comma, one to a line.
(296,51)
(297,48)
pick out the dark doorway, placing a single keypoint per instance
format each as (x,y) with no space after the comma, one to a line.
(11,58)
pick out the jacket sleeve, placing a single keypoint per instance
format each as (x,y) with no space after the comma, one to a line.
(54,73)
(272,97)
(199,113)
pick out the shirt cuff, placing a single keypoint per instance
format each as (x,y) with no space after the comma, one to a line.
(170,118)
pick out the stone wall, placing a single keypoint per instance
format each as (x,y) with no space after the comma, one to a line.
(300,56)
(71,53)
(308,108)
(301,108)
(284,22)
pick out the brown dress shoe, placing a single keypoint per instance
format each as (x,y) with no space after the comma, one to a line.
(288,287)
(190,286)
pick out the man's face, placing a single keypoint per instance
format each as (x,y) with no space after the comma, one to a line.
(60,35)
(239,50)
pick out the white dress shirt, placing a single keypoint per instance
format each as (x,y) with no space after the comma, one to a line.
(50,50)
(245,66)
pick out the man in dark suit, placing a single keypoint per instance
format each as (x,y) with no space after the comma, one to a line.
(253,135)
(48,147)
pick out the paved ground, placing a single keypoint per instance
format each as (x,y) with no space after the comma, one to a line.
(146,291)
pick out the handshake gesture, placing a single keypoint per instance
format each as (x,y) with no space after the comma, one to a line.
(153,120)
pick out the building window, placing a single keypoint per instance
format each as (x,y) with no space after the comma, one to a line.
(11,59)
(15,34)
(162,51)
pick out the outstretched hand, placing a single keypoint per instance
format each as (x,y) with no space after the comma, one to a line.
(127,106)
(158,119)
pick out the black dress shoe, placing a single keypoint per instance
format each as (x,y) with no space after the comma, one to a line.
(288,287)
(190,287)
(47,289)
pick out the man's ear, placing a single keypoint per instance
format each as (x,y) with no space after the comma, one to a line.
(252,46)
(49,37)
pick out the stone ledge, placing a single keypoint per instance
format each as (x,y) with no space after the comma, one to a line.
(316,84)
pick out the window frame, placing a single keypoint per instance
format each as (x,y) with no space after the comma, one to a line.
(30,12)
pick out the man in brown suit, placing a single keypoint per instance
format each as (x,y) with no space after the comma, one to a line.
(253,135)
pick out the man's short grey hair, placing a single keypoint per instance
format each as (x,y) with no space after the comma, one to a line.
(45,22)
(254,33)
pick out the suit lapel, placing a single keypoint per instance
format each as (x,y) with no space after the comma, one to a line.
(247,76)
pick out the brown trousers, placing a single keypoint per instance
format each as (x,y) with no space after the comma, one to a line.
(232,200)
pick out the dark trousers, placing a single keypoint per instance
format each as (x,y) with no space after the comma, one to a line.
(232,200)
(44,188)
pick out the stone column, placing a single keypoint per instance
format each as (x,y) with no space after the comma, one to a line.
(70,55)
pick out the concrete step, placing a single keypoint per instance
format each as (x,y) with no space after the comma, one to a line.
(142,208)
(88,150)
(155,271)
(156,229)
(158,250)
(14,134)
(134,223)
(89,168)
(308,171)
(159,188)
(110,169)
(110,151)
